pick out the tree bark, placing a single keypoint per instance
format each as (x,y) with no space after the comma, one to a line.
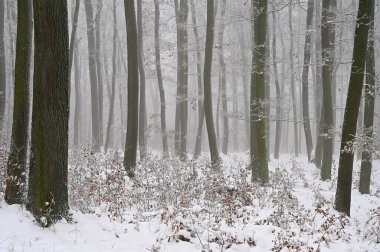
(260,170)
(165,149)
(113,81)
(369,105)
(74,32)
(343,192)
(327,94)
(305,79)
(133,89)
(215,159)
(142,107)
(277,140)
(3,78)
(93,76)
(16,168)
(99,68)
(47,192)
(292,87)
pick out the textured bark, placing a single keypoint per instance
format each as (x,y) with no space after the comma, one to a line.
(16,168)
(305,79)
(47,192)
(261,172)
(222,78)
(327,58)
(318,71)
(133,89)
(93,76)
(292,87)
(369,105)
(3,79)
(113,81)
(215,159)
(343,192)
(165,149)
(201,112)
(277,141)
(142,107)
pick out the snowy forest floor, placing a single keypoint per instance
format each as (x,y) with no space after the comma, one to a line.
(174,206)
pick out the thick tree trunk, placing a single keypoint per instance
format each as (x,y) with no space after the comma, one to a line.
(369,105)
(142,107)
(93,76)
(3,79)
(327,58)
(165,149)
(215,159)
(305,79)
(133,89)
(48,193)
(343,192)
(20,128)
(277,141)
(292,87)
(113,81)
(260,170)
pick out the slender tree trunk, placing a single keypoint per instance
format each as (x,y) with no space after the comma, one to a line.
(327,95)
(133,89)
(142,107)
(305,79)
(201,112)
(222,78)
(369,106)
(177,127)
(99,68)
(343,193)
(74,32)
(113,81)
(165,148)
(3,78)
(318,70)
(277,142)
(261,171)
(235,111)
(292,87)
(20,128)
(78,99)
(215,159)
(93,76)
(48,173)
(245,83)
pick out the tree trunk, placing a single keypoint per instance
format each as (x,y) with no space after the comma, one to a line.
(74,32)
(292,87)
(48,193)
(222,78)
(369,105)
(261,172)
(113,81)
(142,107)
(343,193)
(305,79)
(215,160)
(327,95)
(201,112)
(177,127)
(78,99)
(19,142)
(93,76)
(165,149)
(3,79)
(99,68)
(133,89)
(318,71)
(277,142)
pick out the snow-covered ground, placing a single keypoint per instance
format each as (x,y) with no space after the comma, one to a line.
(174,207)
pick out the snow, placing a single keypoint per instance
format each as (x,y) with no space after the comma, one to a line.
(278,217)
